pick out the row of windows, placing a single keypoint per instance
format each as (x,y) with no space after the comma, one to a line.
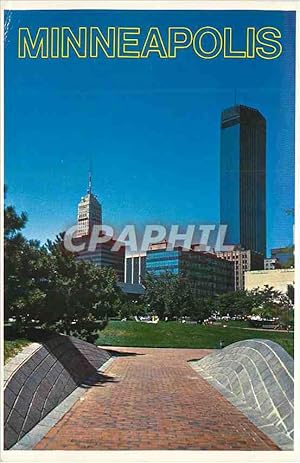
(158,272)
(162,263)
(165,268)
(162,254)
(100,260)
(102,257)
(202,261)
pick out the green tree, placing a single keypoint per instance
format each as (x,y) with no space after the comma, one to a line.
(234,303)
(15,250)
(80,295)
(46,285)
(291,293)
(271,303)
(130,309)
(169,295)
(201,309)
(25,296)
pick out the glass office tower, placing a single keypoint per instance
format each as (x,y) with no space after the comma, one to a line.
(243,177)
(208,274)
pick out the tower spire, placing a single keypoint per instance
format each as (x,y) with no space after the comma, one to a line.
(90,183)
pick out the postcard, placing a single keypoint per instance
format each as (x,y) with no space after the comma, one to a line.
(150,158)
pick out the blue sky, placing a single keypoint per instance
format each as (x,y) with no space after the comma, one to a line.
(150,127)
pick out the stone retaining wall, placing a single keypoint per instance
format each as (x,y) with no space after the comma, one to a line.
(37,384)
(259,374)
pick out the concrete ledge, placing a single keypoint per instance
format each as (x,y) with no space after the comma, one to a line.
(40,380)
(16,362)
(257,376)
(43,427)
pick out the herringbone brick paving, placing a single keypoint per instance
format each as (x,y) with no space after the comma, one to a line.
(152,399)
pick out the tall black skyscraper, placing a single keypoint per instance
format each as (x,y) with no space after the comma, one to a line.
(243,177)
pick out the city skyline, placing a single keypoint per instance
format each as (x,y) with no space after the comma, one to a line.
(151,131)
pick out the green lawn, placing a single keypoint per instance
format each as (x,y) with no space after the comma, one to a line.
(237,323)
(174,334)
(11,348)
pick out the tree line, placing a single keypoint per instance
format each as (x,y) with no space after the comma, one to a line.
(45,286)
(173,296)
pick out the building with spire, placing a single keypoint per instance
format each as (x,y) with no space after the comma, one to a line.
(89,212)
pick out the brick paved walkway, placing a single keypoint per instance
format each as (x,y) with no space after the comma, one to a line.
(154,400)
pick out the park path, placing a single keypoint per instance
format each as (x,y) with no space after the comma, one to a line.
(152,399)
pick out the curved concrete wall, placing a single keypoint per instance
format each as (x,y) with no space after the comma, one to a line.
(259,373)
(44,380)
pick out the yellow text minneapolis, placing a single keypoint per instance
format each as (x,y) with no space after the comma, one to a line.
(206,42)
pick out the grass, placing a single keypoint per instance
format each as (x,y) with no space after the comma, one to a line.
(174,334)
(237,323)
(11,348)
